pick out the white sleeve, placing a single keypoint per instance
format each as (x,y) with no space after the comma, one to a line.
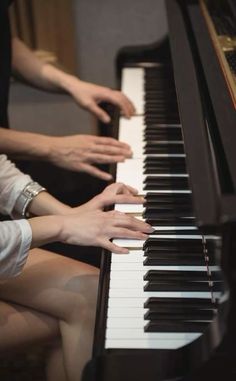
(12,182)
(15,241)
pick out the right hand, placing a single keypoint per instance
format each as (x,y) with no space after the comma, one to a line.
(80,152)
(97,228)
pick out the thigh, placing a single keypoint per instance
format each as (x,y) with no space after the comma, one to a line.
(20,327)
(51,284)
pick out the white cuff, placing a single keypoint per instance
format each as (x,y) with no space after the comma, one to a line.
(26,234)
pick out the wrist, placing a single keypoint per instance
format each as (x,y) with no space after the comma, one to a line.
(46,230)
(42,147)
(69,82)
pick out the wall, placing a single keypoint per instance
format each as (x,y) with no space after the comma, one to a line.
(104,26)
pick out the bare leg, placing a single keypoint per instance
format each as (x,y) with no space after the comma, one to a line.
(55,365)
(21,327)
(65,290)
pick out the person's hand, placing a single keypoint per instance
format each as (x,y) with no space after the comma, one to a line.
(97,228)
(88,96)
(116,193)
(80,153)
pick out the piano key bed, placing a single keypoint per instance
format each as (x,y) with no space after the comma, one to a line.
(164,293)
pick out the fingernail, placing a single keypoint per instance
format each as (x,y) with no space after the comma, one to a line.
(108,177)
(150,229)
(106,119)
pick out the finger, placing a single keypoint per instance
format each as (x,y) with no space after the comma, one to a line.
(99,112)
(120,219)
(124,233)
(111,150)
(110,246)
(111,142)
(93,171)
(104,159)
(126,199)
(125,189)
(119,99)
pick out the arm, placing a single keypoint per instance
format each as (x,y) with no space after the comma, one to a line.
(85,225)
(76,153)
(46,76)
(88,224)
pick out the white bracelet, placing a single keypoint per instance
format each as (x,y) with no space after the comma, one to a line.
(30,191)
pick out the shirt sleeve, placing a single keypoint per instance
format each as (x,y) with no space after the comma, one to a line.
(12,182)
(15,241)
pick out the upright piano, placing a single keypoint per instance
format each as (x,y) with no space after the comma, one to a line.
(166,311)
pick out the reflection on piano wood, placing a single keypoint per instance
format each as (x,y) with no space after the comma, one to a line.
(161,308)
(222,28)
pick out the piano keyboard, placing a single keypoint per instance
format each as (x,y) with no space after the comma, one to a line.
(163,294)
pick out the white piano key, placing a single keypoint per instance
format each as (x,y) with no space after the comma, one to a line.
(131,132)
(131,257)
(130,208)
(132,322)
(121,302)
(134,334)
(132,84)
(144,344)
(134,293)
(126,312)
(138,266)
(123,275)
(127,283)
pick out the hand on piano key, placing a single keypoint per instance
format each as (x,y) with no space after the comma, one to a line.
(89,95)
(116,193)
(80,152)
(88,225)
(97,228)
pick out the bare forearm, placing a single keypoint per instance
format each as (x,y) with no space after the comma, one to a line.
(45,204)
(35,71)
(45,230)
(24,144)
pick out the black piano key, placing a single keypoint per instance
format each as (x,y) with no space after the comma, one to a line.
(167,210)
(177,326)
(183,314)
(167,183)
(167,119)
(201,303)
(158,232)
(168,207)
(175,260)
(176,275)
(164,148)
(177,245)
(180,286)
(162,161)
(170,221)
(149,170)
(160,198)
(149,136)
(165,168)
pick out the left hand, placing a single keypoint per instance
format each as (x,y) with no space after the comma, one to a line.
(88,96)
(115,193)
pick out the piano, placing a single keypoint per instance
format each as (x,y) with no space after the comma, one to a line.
(166,311)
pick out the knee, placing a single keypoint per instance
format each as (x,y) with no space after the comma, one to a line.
(83,297)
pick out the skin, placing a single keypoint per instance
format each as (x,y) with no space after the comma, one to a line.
(53,300)
(77,152)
